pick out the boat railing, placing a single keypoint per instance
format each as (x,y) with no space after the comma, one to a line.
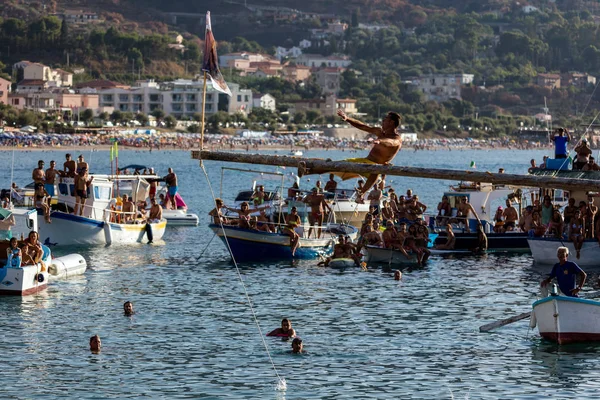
(274,227)
(107,214)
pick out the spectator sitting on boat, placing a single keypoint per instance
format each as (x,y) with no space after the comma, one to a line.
(584,152)
(263,223)
(69,167)
(410,240)
(95,344)
(421,241)
(566,274)
(292,220)
(244,213)
(128,209)
(556,225)
(511,216)
(371,237)
(387,214)
(409,195)
(218,217)
(258,196)
(32,249)
(140,214)
(533,166)
(539,229)
(331,184)
(368,221)
(402,210)
(128,308)
(561,138)
(39,175)
(360,187)
(352,251)
(286,330)
(294,191)
(499,220)
(319,186)
(14,255)
(463,211)
(591,165)
(392,239)
(415,209)
(569,210)
(450,240)
(156,211)
(444,211)
(547,209)
(577,231)
(82,166)
(163,203)
(40,195)
(544,160)
(526,220)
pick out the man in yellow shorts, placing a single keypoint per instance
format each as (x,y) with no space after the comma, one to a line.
(385,148)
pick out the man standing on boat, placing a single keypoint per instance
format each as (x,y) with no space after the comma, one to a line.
(385,148)
(171,181)
(317,204)
(38,175)
(50,181)
(566,273)
(560,143)
(69,167)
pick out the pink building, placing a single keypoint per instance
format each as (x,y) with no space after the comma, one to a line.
(4,90)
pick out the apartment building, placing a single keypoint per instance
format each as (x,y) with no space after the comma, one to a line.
(443,87)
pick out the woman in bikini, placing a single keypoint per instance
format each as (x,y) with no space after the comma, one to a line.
(244,213)
(40,201)
(292,221)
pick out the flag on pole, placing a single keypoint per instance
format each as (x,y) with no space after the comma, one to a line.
(114,151)
(211,61)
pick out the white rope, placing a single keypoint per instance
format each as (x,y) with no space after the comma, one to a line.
(282,384)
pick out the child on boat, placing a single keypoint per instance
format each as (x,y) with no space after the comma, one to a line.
(13,254)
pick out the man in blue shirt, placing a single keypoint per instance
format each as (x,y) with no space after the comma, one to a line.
(560,143)
(566,273)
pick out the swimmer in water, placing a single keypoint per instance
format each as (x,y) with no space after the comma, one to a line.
(95,344)
(286,329)
(128,308)
(297,346)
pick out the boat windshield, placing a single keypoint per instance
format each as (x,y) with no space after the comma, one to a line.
(246,195)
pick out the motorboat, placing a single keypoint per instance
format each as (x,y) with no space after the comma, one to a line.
(254,245)
(566,320)
(543,250)
(100,222)
(382,255)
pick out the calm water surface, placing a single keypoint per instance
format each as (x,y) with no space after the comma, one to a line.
(366,335)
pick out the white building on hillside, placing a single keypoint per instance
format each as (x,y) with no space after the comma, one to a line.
(442,87)
(263,101)
(317,61)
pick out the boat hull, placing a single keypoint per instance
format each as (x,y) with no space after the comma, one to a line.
(27,279)
(68,229)
(341,263)
(509,242)
(380,255)
(249,245)
(180,218)
(543,251)
(566,320)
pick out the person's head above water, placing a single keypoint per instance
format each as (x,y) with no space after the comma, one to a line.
(95,344)
(128,308)
(297,345)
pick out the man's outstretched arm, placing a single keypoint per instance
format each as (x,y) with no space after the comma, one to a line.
(360,125)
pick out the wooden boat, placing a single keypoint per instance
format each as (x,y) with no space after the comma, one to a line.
(96,226)
(543,251)
(507,242)
(566,320)
(249,245)
(381,255)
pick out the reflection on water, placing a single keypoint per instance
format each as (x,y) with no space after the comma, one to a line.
(367,336)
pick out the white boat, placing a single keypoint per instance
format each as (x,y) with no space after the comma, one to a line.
(296,153)
(565,319)
(248,244)
(24,280)
(543,251)
(180,218)
(96,226)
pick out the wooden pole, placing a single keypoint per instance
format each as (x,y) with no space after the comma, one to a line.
(498,324)
(203,112)
(413,172)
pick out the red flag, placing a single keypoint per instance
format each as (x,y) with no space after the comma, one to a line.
(211,60)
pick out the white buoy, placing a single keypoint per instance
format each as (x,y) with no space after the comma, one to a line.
(63,267)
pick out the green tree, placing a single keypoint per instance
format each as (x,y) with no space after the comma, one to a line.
(87,115)
(355,18)
(170,121)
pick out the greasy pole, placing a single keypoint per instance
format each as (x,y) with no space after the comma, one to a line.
(321,166)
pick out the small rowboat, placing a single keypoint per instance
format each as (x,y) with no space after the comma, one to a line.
(565,320)
(381,255)
(543,251)
(23,280)
(341,263)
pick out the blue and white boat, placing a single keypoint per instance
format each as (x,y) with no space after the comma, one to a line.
(566,320)
(249,245)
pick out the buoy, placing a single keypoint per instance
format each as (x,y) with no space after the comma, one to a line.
(62,267)
(39,278)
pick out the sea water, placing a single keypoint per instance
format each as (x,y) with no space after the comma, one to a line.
(365,334)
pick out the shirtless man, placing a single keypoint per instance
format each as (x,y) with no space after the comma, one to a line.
(331,184)
(38,175)
(82,165)
(375,197)
(156,211)
(171,181)
(385,147)
(463,210)
(371,237)
(50,181)
(218,217)
(128,209)
(292,220)
(317,204)
(69,167)
(81,185)
(510,217)
(392,239)
(286,329)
